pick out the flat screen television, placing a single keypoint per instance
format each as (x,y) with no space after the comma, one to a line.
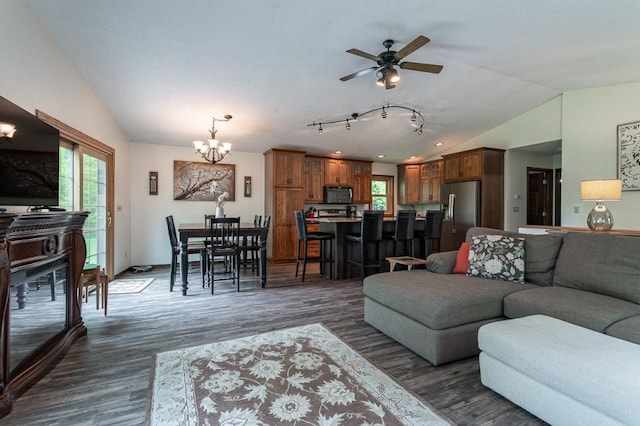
(30,161)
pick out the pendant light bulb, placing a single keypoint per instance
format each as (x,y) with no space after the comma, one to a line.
(384,113)
(320,129)
(348,126)
(413,115)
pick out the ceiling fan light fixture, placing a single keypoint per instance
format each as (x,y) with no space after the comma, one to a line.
(394,77)
(380,82)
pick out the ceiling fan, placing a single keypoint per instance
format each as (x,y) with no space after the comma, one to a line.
(385,70)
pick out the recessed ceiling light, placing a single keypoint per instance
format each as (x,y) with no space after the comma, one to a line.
(413,157)
(380,155)
(439,143)
(339,151)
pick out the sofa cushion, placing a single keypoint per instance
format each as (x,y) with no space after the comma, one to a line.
(439,301)
(600,263)
(500,257)
(590,310)
(541,252)
(626,329)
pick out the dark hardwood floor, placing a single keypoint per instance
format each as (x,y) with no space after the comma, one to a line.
(104,379)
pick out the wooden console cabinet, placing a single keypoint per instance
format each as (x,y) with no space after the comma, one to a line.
(32,246)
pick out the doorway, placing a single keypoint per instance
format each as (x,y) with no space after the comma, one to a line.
(539,196)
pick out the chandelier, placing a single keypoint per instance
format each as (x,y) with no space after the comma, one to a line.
(213,151)
(417,120)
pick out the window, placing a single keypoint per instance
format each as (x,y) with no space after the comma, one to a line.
(382,194)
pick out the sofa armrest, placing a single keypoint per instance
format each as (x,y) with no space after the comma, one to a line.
(443,262)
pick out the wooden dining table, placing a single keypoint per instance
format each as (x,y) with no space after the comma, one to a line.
(201,230)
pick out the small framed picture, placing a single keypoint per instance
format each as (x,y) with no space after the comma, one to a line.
(153,183)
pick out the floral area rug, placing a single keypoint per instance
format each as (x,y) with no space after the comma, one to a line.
(303,376)
(129,285)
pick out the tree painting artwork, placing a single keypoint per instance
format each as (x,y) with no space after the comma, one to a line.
(629,155)
(196,181)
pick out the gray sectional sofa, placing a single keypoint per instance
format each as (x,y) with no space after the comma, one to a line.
(588,279)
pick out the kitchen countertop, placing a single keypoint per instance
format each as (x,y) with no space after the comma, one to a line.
(353,219)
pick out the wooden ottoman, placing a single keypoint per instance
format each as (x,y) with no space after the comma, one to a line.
(562,373)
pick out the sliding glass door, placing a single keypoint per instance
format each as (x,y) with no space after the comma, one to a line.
(87,184)
(94,200)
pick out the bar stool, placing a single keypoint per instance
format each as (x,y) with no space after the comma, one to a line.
(404,233)
(303,241)
(432,231)
(370,236)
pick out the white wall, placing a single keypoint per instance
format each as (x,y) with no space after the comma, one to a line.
(36,75)
(150,242)
(589,148)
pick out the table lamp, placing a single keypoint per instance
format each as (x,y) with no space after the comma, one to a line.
(600,218)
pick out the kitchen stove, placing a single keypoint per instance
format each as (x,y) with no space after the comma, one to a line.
(332,212)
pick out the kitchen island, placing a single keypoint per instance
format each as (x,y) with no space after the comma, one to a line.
(346,225)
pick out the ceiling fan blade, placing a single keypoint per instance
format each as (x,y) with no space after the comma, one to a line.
(416,44)
(416,66)
(358,52)
(358,74)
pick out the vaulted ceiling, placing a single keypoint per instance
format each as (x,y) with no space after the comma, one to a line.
(164,68)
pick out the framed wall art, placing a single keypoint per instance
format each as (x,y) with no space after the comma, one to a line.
(629,155)
(197,181)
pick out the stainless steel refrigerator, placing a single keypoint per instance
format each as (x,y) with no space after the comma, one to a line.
(461,202)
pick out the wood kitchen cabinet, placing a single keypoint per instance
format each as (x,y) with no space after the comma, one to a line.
(464,166)
(337,172)
(361,181)
(313,247)
(284,193)
(430,175)
(313,179)
(289,166)
(409,184)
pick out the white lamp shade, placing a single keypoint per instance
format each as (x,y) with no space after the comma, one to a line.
(601,190)
(7,130)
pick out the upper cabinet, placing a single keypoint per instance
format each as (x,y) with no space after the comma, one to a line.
(464,166)
(289,166)
(337,172)
(313,179)
(409,184)
(361,172)
(431,178)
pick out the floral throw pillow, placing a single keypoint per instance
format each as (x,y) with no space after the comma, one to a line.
(497,256)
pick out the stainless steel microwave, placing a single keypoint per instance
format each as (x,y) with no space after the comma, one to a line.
(337,195)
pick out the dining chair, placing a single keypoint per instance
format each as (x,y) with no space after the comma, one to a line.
(304,237)
(404,232)
(250,247)
(94,276)
(223,243)
(432,231)
(192,248)
(367,240)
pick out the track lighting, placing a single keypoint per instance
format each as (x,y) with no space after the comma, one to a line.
(416,117)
